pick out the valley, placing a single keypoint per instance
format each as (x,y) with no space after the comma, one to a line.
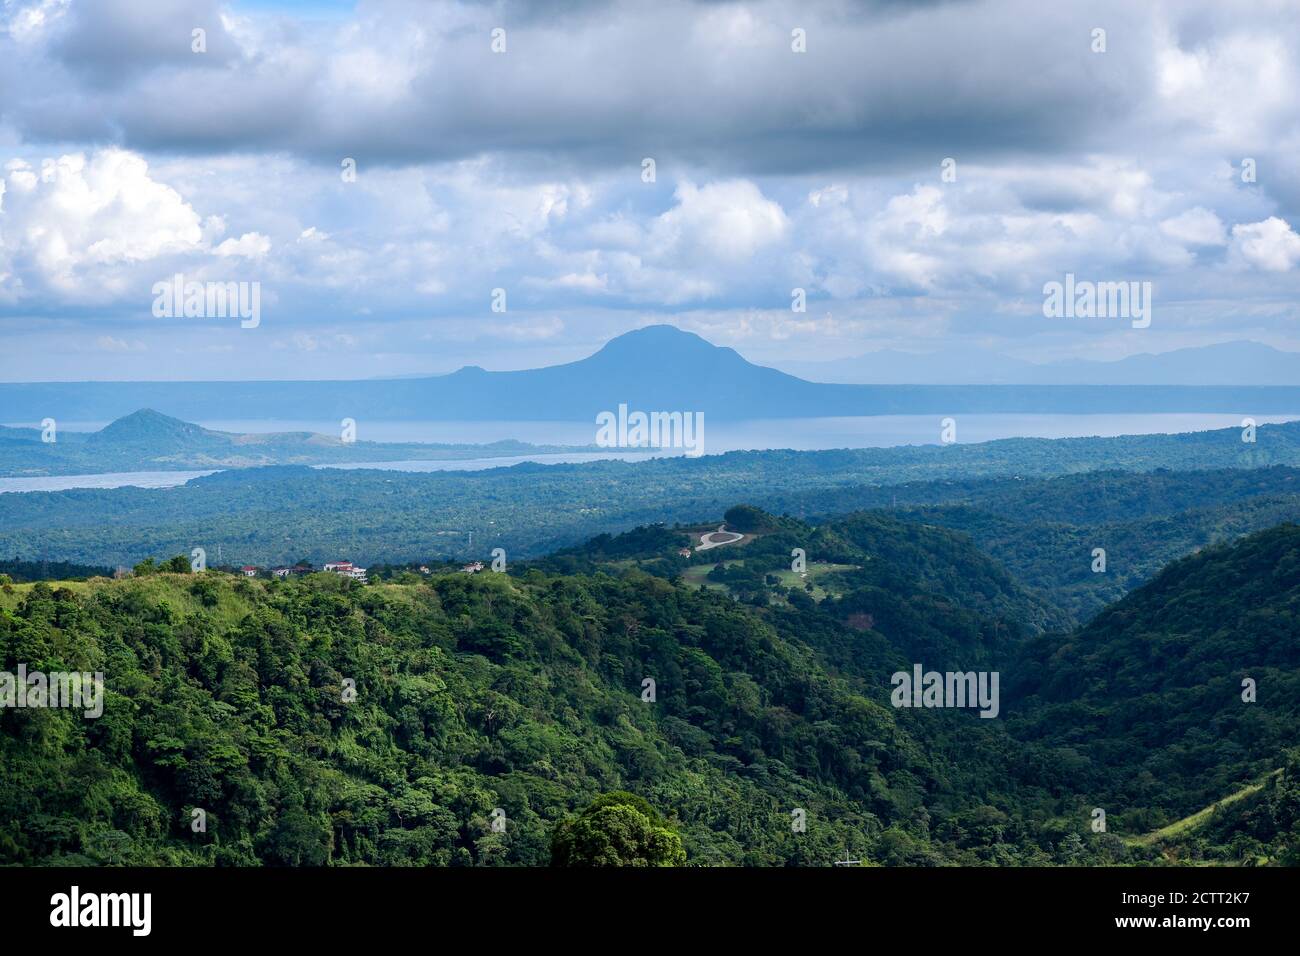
(519,691)
(1078,651)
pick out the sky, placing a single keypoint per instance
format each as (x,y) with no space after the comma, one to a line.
(920,170)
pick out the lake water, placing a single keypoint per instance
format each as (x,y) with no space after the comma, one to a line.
(136,479)
(801,434)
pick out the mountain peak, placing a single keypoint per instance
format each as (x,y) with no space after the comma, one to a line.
(666,344)
(661,336)
(146,424)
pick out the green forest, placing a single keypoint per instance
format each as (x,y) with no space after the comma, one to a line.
(275,515)
(601,706)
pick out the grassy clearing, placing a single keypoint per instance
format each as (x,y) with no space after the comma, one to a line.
(816,571)
(174,590)
(1189,823)
(15,594)
(698,574)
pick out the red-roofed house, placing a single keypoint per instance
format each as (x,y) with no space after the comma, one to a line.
(347,569)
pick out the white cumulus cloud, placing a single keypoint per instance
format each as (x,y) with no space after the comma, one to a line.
(1195,227)
(729,220)
(78,215)
(1271,245)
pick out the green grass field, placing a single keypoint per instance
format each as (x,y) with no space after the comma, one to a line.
(1191,822)
(14,594)
(698,574)
(815,572)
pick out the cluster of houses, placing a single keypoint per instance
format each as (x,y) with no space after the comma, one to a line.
(345,568)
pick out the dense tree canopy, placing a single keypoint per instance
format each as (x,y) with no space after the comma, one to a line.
(477,719)
(617,829)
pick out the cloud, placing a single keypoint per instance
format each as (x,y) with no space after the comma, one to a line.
(725,221)
(108,343)
(1233,87)
(1271,245)
(250,245)
(75,218)
(134,158)
(112,40)
(413,82)
(26,22)
(1195,227)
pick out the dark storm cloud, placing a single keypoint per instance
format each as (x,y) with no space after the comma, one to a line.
(883,85)
(109,42)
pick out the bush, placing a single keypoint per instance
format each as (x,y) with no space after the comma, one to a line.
(749,520)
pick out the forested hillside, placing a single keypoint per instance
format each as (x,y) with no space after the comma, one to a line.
(1153,692)
(473,693)
(275,515)
(491,708)
(1045,530)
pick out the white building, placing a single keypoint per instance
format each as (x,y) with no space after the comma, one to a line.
(347,569)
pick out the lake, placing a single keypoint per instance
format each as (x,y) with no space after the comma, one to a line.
(801,434)
(136,479)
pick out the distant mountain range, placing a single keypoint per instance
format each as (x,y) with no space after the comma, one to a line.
(147,440)
(1229,363)
(656,368)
